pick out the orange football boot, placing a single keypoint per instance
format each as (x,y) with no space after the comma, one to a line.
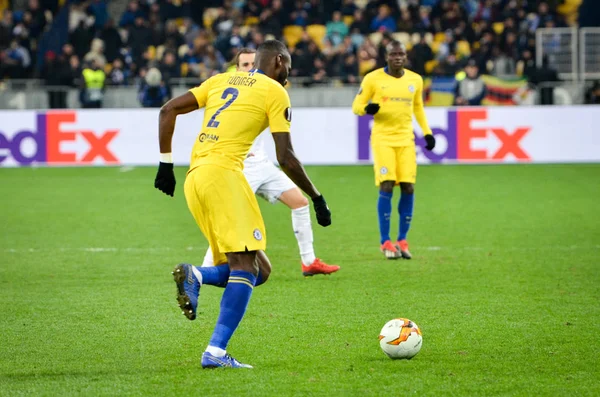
(319,267)
(389,250)
(403,249)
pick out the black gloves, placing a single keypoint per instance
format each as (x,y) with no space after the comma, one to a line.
(322,211)
(372,108)
(165,179)
(430,139)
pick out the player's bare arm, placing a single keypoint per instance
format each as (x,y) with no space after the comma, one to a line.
(168,113)
(165,177)
(290,164)
(293,168)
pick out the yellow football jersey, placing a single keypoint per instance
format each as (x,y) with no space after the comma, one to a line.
(238,107)
(398,98)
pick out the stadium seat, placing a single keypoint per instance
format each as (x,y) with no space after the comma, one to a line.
(435,46)
(292,35)
(498,27)
(375,38)
(182,50)
(402,37)
(430,65)
(317,33)
(439,37)
(348,20)
(108,68)
(415,38)
(463,49)
(152,52)
(184,69)
(365,67)
(251,20)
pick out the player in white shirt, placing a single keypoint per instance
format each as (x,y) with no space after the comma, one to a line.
(273,185)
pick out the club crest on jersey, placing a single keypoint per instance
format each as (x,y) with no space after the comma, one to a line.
(383,170)
(288,114)
(257,234)
(411,88)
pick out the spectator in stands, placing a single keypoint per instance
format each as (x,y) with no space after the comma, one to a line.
(502,65)
(592,95)
(111,39)
(359,26)
(6,28)
(118,75)
(419,55)
(92,86)
(96,53)
(133,11)
(153,91)
(81,38)
(336,29)
(470,88)
(15,61)
(349,69)
(383,22)
(271,19)
(99,10)
(543,78)
(140,37)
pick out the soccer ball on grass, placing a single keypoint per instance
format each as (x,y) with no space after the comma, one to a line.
(400,338)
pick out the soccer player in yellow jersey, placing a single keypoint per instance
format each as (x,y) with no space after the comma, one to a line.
(393,94)
(272,184)
(238,107)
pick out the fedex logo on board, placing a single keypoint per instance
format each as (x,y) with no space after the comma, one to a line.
(463,140)
(47,142)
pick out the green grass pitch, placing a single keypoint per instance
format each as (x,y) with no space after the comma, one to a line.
(505,285)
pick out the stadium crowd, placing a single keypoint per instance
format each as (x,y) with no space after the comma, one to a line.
(341,39)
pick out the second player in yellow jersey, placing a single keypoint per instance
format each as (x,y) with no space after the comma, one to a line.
(393,95)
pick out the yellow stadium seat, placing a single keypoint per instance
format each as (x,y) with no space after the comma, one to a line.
(498,27)
(429,38)
(182,50)
(439,37)
(365,67)
(348,20)
(430,65)
(317,33)
(108,68)
(375,38)
(292,35)
(184,69)
(435,46)
(152,52)
(463,48)
(415,38)
(251,21)
(402,37)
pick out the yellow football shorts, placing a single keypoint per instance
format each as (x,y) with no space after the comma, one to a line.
(225,209)
(397,164)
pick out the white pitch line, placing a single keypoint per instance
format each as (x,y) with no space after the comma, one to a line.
(190,248)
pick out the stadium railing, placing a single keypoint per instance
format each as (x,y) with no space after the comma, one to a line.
(589,53)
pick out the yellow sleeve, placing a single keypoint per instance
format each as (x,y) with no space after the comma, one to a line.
(279,109)
(419,109)
(365,94)
(201,92)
